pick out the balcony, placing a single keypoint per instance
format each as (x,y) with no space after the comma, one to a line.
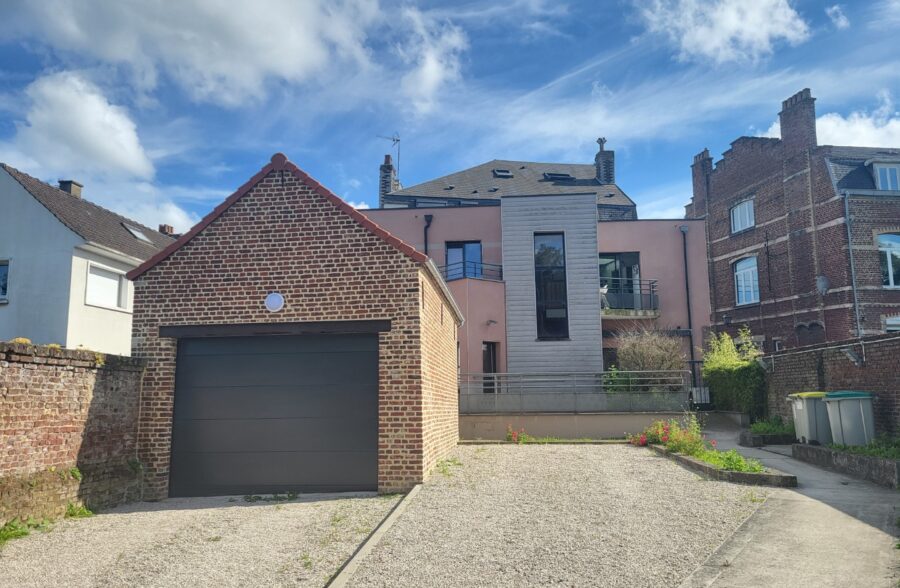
(625,298)
(472,269)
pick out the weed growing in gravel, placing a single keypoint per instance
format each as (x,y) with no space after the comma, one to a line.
(444,466)
(214,538)
(338,518)
(753,498)
(17,528)
(77,511)
(306,561)
(273,498)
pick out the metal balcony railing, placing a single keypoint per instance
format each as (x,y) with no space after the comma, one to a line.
(613,391)
(471,269)
(628,294)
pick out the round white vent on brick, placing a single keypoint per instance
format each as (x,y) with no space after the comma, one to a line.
(274,302)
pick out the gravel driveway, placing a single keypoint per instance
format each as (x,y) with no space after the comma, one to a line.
(571,515)
(198,542)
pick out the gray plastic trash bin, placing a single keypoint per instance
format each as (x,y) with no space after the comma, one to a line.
(810,417)
(851,417)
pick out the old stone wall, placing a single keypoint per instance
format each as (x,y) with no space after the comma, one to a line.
(68,430)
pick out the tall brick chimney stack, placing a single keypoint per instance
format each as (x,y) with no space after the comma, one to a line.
(387,179)
(700,171)
(605,162)
(798,122)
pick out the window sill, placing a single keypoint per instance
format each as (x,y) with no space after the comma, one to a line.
(4,301)
(113,308)
(544,339)
(747,304)
(742,231)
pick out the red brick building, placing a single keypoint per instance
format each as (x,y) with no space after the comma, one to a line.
(292,344)
(779,216)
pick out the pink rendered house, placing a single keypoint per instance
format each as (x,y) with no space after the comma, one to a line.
(548,261)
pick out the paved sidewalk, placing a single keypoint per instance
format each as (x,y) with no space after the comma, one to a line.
(830,531)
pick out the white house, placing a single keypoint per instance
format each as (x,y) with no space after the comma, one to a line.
(63,262)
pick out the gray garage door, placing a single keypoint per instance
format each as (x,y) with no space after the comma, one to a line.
(273,414)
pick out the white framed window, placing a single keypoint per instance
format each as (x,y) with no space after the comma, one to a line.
(889,252)
(746,281)
(742,216)
(106,288)
(892,324)
(887,177)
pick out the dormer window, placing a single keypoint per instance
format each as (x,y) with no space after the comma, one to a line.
(887,177)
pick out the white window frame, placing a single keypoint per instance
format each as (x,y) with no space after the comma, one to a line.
(122,303)
(888,253)
(891,179)
(4,298)
(746,280)
(743,216)
(892,324)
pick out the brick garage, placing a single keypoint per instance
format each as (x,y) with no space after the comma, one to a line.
(339,274)
(68,430)
(828,367)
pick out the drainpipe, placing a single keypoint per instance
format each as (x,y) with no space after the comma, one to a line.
(852,264)
(687,291)
(428,219)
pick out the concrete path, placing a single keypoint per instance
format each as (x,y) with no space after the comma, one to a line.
(830,531)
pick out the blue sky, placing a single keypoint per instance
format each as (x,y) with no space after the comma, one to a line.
(162,109)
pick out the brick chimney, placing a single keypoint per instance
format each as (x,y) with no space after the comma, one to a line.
(167,230)
(700,171)
(387,179)
(798,122)
(72,187)
(605,162)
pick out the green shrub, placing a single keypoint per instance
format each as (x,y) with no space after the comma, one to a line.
(730,460)
(883,447)
(77,511)
(615,380)
(773,426)
(735,379)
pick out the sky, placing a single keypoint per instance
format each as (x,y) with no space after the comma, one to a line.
(162,109)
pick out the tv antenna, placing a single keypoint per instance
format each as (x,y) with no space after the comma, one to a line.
(395,142)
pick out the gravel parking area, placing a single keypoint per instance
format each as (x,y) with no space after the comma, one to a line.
(572,515)
(199,542)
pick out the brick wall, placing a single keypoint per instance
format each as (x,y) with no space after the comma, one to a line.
(60,410)
(284,235)
(827,367)
(440,392)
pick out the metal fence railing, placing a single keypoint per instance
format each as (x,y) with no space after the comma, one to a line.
(471,269)
(613,391)
(628,294)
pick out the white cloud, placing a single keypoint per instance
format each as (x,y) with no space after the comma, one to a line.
(433,50)
(71,130)
(218,54)
(837,16)
(358,205)
(860,128)
(70,125)
(663,201)
(724,30)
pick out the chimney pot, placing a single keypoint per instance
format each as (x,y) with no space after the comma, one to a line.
(167,230)
(71,186)
(387,179)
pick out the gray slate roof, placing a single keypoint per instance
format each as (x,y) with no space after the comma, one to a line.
(848,165)
(93,223)
(528,180)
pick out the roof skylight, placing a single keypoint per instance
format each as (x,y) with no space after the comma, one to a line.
(558,177)
(502,173)
(137,233)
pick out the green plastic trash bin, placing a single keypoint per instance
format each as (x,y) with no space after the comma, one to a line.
(851,417)
(810,417)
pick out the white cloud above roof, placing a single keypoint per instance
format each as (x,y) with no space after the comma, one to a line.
(724,31)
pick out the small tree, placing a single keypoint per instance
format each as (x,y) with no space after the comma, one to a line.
(736,380)
(647,350)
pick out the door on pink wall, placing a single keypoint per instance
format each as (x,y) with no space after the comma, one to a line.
(489,365)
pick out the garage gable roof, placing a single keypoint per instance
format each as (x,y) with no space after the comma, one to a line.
(280,162)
